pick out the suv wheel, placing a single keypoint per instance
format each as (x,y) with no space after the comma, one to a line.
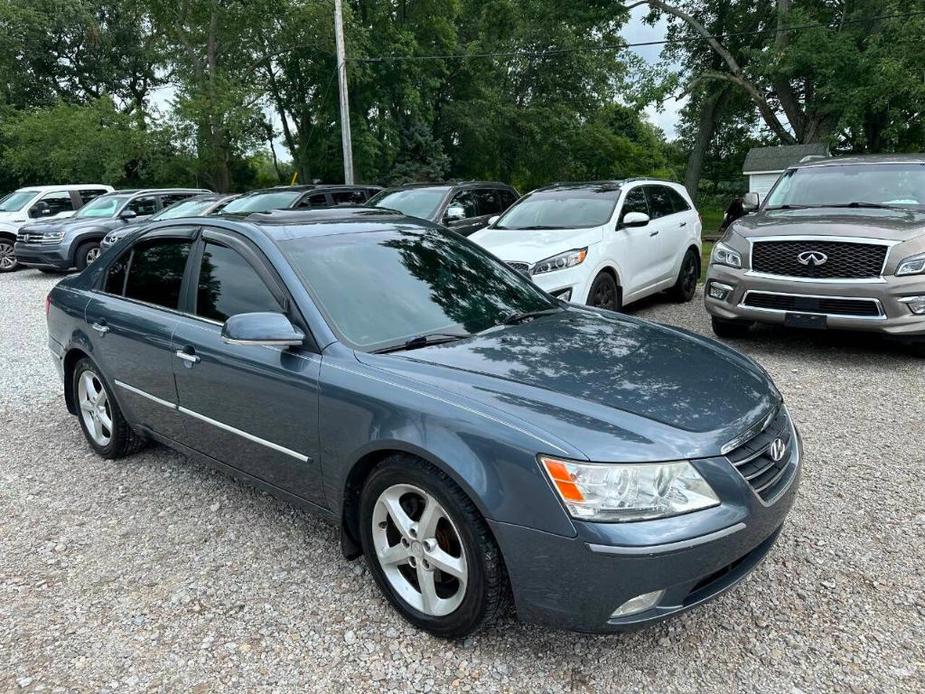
(7,255)
(87,253)
(731,329)
(101,420)
(684,288)
(605,293)
(429,549)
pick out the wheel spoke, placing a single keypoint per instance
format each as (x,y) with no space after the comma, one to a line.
(430,516)
(105,420)
(396,554)
(401,519)
(89,387)
(86,406)
(447,563)
(429,598)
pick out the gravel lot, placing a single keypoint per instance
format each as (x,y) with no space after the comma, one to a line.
(157,574)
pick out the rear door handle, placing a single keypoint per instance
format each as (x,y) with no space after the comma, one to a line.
(101,328)
(683,224)
(187,357)
(653,233)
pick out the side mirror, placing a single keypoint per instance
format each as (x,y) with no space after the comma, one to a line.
(492,220)
(750,202)
(455,213)
(635,219)
(128,215)
(40,209)
(261,329)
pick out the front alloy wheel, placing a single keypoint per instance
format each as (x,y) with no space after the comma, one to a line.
(95,410)
(7,256)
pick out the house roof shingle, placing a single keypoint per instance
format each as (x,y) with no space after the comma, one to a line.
(779,158)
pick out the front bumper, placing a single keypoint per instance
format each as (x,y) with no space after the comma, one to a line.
(43,255)
(896,319)
(578,582)
(573,280)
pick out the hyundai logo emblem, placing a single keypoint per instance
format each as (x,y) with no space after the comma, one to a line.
(777,450)
(813,258)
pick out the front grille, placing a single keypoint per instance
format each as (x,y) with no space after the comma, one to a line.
(519,266)
(753,458)
(842,259)
(30,237)
(864,308)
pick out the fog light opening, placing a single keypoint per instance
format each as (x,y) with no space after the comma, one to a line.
(564,294)
(640,603)
(718,290)
(916,304)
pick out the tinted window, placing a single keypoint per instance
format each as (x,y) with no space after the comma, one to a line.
(143,206)
(155,271)
(562,208)
(315,200)
(489,201)
(468,201)
(91,194)
(56,202)
(115,277)
(680,204)
(173,198)
(424,281)
(414,202)
(508,198)
(228,285)
(349,197)
(660,204)
(262,202)
(635,202)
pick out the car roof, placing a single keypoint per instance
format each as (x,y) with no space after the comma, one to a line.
(152,191)
(450,184)
(69,186)
(315,186)
(287,224)
(863,159)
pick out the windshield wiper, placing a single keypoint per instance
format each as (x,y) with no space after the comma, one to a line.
(872,205)
(530,228)
(790,207)
(423,341)
(515,318)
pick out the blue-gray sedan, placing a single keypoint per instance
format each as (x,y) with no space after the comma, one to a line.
(474,438)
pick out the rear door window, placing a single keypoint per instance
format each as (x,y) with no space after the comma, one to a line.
(348,197)
(313,201)
(154,272)
(143,206)
(89,194)
(169,199)
(680,204)
(660,203)
(229,285)
(489,201)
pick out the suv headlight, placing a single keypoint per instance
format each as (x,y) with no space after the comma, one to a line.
(562,261)
(724,255)
(628,492)
(914,265)
(52,236)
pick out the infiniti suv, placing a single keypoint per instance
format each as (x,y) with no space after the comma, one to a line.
(838,243)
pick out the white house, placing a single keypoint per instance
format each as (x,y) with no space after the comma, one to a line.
(763,165)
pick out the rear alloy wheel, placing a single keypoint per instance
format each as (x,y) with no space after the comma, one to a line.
(7,255)
(101,420)
(605,293)
(87,253)
(731,329)
(428,548)
(686,285)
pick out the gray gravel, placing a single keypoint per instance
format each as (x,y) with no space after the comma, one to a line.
(157,574)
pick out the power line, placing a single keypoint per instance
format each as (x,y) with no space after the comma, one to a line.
(638,44)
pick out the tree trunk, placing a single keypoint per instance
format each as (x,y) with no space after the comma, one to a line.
(706,126)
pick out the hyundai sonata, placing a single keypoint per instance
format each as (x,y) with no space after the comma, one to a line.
(472,437)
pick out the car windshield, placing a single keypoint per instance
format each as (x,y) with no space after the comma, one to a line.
(383,288)
(262,202)
(103,206)
(186,208)
(576,208)
(16,201)
(414,202)
(851,185)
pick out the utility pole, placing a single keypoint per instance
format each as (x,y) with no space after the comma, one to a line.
(346,140)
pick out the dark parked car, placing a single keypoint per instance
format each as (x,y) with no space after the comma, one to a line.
(463,207)
(196,206)
(307,197)
(58,245)
(471,435)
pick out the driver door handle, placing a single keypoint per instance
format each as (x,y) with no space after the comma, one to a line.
(653,233)
(187,357)
(101,328)
(683,224)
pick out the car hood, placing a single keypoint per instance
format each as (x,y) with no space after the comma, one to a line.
(888,225)
(75,224)
(18,216)
(532,246)
(614,387)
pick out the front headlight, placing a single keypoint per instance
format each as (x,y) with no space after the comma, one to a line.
(628,492)
(560,262)
(724,255)
(53,236)
(914,265)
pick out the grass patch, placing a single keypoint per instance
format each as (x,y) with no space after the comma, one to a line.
(712,218)
(705,258)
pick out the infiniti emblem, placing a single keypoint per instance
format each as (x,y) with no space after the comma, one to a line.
(813,258)
(777,450)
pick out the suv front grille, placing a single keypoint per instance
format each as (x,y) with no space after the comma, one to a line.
(842,259)
(861,308)
(28,237)
(753,459)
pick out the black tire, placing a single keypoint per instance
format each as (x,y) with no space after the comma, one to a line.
(86,253)
(123,440)
(918,349)
(7,257)
(605,293)
(686,285)
(731,329)
(486,591)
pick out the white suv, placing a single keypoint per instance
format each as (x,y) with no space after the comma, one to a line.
(602,244)
(39,202)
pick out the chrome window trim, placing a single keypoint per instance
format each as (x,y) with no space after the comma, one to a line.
(881,315)
(752,240)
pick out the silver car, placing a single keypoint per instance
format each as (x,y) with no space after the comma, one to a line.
(838,243)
